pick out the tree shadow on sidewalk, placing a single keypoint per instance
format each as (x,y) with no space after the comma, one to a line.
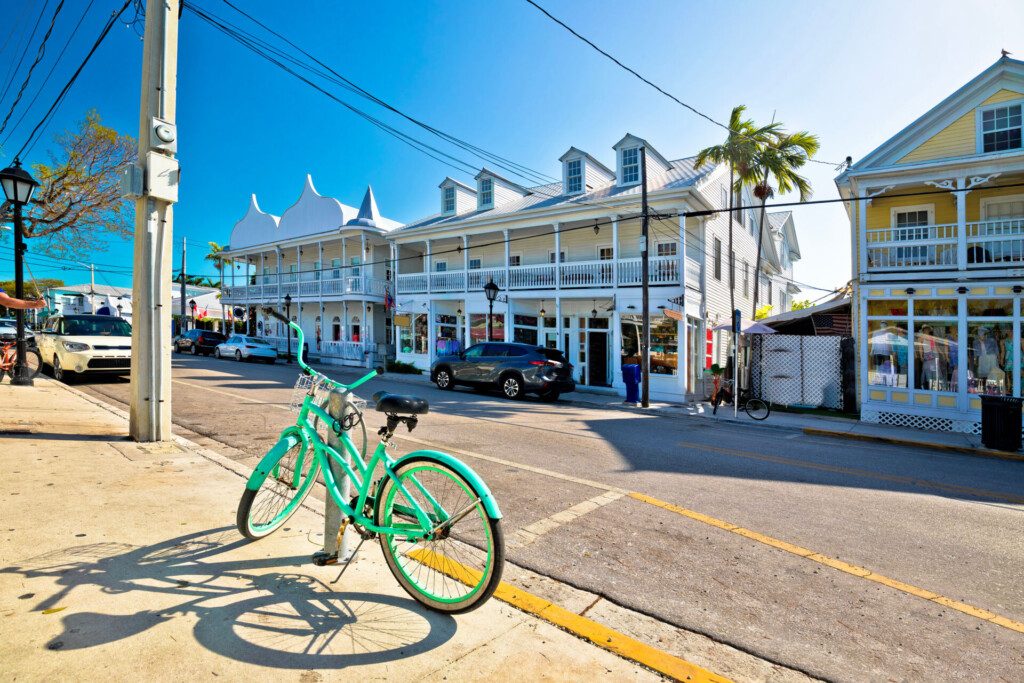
(279,619)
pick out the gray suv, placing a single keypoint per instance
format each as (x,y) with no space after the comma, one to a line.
(515,369)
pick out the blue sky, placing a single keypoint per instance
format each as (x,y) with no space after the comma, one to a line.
(502,76)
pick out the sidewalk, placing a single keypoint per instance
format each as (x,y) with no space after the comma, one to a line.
(816,425)
(120,560)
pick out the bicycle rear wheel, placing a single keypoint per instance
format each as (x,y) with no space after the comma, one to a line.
(757,409)
(34,361)
(276,488)
(458,568)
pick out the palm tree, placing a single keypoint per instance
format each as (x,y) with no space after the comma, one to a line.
(741,147)
(218,260)
(779,160)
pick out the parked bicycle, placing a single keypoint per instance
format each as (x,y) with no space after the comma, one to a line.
(437,522)
(756,408)
(9,358)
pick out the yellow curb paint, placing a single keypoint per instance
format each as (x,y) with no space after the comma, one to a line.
(980,452)
(839,565)
(582,627)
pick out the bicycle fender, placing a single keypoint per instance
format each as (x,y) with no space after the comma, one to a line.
(490,505)
(289,437)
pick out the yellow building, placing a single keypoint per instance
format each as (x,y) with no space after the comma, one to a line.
(938,253)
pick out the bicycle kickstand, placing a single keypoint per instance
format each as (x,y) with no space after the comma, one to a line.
(348,561)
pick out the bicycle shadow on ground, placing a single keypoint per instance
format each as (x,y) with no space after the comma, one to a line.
(243,609)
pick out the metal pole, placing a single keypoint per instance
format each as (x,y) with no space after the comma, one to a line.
(20,377)
(336,544)
(150,411)
(181,293)
(490,315)
(92,288)
(645,339)
(288,332)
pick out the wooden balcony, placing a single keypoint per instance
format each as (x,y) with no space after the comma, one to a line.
(359,287)
(980,244)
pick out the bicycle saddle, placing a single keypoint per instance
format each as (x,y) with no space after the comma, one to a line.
(400,404)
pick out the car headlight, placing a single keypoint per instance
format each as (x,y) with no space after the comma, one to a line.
(75,347)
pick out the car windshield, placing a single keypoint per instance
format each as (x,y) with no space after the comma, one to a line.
(97,327)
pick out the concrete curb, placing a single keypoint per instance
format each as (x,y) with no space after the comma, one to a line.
(896,441)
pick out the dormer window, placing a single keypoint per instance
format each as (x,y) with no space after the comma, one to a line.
(449,200)
(486,193)
(574,176)
(1001,128)
(630,165)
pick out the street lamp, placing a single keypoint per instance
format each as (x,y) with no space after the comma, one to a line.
(120,309)
(491,292)
(192,305)
(18,187)
(288,329)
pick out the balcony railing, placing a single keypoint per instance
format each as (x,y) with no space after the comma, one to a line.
(268,291)
(664,270)
(985,244)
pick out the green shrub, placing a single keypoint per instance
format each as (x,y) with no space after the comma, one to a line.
(402,368)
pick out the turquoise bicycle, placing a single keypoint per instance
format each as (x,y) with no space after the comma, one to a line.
(437,522)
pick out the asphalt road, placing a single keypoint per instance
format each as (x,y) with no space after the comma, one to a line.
(949,524)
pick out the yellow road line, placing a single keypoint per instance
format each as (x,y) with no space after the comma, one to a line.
(868,474)
(845,567)
(588,629)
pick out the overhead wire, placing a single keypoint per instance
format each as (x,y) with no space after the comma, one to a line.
(646,80)
(40,53)
(12,73)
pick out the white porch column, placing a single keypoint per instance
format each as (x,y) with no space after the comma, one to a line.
(369,342)
(466,340)
(344,322)
(345,272)
(298,273)
(862,231)
(682,341)
(558,327)
(279,266)
(394,268)
(616,378)
(615,250)
(558,256)
(508,277)
(427,265)
(465,263)
(431,334)
(508,319)
(961,226)
(362,262)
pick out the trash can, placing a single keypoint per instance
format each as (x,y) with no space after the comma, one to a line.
(1000,422)
(631,376)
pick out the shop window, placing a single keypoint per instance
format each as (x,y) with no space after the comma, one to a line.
(884,307)
(412,333)
(990,358)
(478,327)
(664,356)
(888,361)
(525,335)
(936,355)
(550,321)
(934,307)
(995,308)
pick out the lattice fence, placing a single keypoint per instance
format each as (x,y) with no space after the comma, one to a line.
(797,370)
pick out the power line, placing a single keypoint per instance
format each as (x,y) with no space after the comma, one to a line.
(634,72)
(16,64)
(32,138)
(39,57)
(46,80)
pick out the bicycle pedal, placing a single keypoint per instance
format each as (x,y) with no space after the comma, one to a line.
(323,559)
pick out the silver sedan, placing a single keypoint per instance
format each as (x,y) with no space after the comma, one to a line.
(241,347)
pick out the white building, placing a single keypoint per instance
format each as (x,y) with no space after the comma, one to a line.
(566,257)
(109,300)
(315,253)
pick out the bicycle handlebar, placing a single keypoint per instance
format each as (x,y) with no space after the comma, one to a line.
(301,337)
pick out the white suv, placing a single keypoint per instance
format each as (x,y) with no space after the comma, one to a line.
(79,344)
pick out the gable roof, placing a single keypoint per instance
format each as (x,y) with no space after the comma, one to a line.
(632,140)
(574,151)
(491,174)
(680,174)
(963,100)
(782,221)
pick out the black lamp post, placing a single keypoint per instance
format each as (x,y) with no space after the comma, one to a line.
(491,292)
(18,187)
(120,309)
(288,330)
(192,305)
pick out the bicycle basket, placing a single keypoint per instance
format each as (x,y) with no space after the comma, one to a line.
(321,389)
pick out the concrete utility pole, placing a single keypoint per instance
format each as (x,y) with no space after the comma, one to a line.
(645,338)
(92,289)
(150,414)
(181,292)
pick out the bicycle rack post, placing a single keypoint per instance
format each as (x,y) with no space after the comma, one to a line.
(337,406)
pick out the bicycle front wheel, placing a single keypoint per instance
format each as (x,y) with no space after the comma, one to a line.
(276,488)
(757,409)
(458,567)
(34,361)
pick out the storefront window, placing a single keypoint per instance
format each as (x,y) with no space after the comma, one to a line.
(887,353)
(412,333)
(936,354)
(884,307)
(664,343)
(990,358)
(999,308)
(934,307)
(478,327)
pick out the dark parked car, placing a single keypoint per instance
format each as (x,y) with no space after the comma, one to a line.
(515,369)
(198,342)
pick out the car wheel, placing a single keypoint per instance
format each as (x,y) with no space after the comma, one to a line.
(512,387)
(550,396)
(59,373)
(271,361)
(195,349)
(216,353)
(443,379)
(238,355)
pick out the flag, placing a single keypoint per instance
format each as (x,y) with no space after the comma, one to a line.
(389,302)
(832,323)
